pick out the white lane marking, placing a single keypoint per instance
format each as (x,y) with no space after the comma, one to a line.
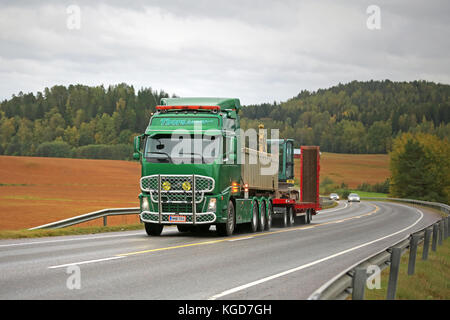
(85,262)
(70,239)
(254,283)
(244,238)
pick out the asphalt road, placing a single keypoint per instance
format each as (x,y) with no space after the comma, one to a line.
(284,263)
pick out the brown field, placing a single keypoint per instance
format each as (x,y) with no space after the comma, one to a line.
(36,191)
(353,169)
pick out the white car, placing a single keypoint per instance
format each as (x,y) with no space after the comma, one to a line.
(334,196)
(353,197)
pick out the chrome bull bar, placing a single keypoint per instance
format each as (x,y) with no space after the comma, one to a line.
(196,197)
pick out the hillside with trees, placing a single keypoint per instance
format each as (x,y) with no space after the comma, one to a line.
(358,117)
(76,121)
(97,122)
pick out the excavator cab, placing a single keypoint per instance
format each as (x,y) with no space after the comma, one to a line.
(286,159)
(286,168)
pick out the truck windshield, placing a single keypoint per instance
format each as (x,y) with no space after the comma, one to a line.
(186,149)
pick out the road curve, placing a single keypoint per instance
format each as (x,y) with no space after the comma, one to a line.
(284,263)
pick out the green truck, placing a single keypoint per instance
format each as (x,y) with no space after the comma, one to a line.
(199,170)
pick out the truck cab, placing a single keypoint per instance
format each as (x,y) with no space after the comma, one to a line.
(188,167)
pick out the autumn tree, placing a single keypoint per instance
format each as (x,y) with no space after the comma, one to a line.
(420,167)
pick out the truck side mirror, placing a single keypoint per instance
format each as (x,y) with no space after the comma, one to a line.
(137,147)
(137,144)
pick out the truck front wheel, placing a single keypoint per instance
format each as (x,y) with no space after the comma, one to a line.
(227,229)
(153,229)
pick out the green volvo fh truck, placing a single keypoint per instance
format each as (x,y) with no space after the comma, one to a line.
(200,169)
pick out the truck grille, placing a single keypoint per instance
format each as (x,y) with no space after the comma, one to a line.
(175,193)
(179,207)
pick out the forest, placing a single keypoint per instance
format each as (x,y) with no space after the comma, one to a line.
(358,117)
(100,122)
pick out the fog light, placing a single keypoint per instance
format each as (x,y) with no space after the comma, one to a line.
(145,205)
(212,205)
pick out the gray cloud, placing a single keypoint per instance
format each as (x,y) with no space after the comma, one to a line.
(257,51)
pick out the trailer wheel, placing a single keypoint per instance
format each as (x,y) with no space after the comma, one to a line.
(262,218)
(303,219)
(227,229)
(153,229)
(308,216)
(254,221)
(269,217)
(291,217)
(284,222)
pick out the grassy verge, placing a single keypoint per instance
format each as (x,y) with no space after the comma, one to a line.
(334,204)
(15,234)
(370,194)
(431,280)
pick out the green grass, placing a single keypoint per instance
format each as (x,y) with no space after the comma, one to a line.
(431,280)
(16,234)
(370,194)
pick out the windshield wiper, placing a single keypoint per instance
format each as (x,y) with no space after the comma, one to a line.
(163,153)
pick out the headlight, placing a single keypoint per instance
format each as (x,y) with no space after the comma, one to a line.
(212,204)
(145,205)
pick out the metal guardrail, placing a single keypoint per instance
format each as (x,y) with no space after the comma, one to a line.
(325,201)
(353,280)
(105,213)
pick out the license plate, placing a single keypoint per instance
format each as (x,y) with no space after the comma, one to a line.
(177,218)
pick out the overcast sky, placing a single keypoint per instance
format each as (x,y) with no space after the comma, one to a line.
(258,51)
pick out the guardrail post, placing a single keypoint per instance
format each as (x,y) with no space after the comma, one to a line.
(105,221)
(441,232)
(448,227)
(412,253)
(393,274)
(426,243)
(435,236)
(445,228)
(359,283)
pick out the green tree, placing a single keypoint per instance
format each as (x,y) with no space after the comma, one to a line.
(72,136)
(420,168)
(379,137)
